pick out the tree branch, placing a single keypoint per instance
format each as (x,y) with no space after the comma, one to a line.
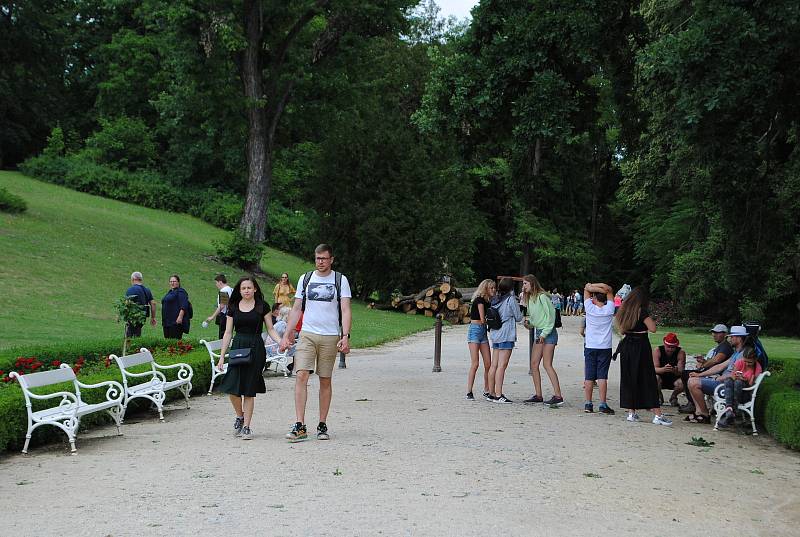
(290,36)
(277,111)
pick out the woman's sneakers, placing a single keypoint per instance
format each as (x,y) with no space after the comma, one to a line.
(555,401)
(634,417)
(533,400)
(238,424)
(662,420)
(503,400)
(470,397)
(322,431)
(298,433)
(247,434)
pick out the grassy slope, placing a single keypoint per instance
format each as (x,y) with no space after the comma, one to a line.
(67,259)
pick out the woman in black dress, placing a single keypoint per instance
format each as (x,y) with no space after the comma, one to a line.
(248,312)
(638,386)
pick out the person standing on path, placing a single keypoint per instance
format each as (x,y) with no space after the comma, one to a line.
(142,296)
(543,339)
(638,385)
(503,338)
(598,303)
(220,314)
(478,338)
(175,310)
(283,291)
(323,299)
(247,313)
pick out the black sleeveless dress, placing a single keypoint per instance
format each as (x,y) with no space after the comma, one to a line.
(247,380)
(638,386)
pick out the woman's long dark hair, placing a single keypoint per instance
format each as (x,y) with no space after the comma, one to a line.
(236,295)
(631,308)
(505,286)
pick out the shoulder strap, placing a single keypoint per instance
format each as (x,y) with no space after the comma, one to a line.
(306,281)
(337,277)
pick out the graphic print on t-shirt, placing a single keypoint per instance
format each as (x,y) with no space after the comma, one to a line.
(321,292)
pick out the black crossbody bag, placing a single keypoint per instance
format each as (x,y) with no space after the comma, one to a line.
(237,357)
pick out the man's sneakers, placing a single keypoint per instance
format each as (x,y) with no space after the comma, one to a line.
(533,400)
(322,431)
(605,409)
(662,420)
(588,407)
(298,433)
(555,401)
(634,417)
(238,424)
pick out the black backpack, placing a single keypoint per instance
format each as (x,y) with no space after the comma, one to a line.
(493,319)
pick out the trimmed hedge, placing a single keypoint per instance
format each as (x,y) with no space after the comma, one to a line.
(778,403)
(13,416)
(11,203)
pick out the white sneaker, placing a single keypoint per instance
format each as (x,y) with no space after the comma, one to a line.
(662,420)
(632,416)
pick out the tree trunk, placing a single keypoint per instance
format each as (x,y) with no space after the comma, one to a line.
(525,263)
(259,165)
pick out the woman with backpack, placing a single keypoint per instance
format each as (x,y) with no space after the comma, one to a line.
(478,339)
(176,310)
(543,339)
(504,334)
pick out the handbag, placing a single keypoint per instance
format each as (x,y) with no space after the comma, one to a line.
(237,357)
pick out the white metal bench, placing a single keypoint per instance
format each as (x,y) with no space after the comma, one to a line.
(157,384)
(280,359)
(749,407)
(213,348)
(67,414)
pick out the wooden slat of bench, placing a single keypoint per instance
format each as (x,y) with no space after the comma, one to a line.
(133,360)
(45,378)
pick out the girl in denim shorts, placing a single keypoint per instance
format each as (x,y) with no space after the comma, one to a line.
(503,338)
(477,337)
(543,339)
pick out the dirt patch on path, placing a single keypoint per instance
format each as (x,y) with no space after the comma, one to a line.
(408,456)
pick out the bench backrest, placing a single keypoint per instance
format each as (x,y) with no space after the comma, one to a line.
(212,345)
(126,362)
(46,378)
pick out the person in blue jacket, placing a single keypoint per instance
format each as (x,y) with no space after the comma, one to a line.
(175,310)
(503,338)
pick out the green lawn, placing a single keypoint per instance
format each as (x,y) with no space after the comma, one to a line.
(67,259)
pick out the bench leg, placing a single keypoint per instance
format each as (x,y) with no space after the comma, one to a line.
(116,415)
(213,378)
(185,389)
(27,443)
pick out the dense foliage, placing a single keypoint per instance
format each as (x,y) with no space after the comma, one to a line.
(643,141)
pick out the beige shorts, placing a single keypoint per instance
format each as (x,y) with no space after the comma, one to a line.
(316,353)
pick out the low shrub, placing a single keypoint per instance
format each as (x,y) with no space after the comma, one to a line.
(11,203)
(240,251)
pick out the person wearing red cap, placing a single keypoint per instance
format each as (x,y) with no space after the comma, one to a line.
(670,360)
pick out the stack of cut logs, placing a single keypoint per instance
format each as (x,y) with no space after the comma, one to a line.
(441,298)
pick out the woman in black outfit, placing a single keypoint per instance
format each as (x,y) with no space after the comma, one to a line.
(638,386)
(175,310)
(248,312)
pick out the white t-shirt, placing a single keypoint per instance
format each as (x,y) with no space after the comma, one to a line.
(229,290)
(322,307)
(598,324)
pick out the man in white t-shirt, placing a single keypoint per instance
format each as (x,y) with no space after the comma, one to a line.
(598,302)
(323,299)
(219,315)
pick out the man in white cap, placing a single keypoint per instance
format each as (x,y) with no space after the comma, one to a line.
(705,382)
(719,353)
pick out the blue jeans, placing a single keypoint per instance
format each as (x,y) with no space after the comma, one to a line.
(503,345)
(477,334)
(551,339)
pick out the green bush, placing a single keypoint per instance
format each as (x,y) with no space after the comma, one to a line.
(13,416)
(240,251)
(778,401)
(291,231)
(11,203)
(122,142)
(222,210)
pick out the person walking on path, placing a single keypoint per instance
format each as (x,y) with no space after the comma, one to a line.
(598,303)
(175,310)
(478,338)
(323,299)
(283,291)
(638,385)
(247,313)
(224,292)
(543,339)
(503,338)
(142,296)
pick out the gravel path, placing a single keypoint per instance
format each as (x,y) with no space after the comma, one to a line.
(408,456)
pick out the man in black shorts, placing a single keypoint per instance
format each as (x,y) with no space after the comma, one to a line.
(670,361)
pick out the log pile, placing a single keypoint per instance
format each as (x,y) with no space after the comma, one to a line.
(438,299)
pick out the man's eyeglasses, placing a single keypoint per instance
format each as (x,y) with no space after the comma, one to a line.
(322,258)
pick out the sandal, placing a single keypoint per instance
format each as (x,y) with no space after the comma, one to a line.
(698,418)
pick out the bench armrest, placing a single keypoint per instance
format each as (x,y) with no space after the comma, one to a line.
(113,393)
(185,371)
(155,374)
(67,398)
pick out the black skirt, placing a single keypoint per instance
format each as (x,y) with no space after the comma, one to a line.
(638,386)
(246,380)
